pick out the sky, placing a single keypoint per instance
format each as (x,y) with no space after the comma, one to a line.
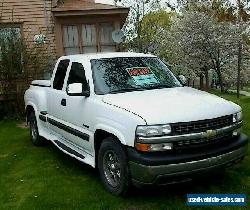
(105,1)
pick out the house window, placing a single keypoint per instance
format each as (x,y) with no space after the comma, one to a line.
(106,42)
(10,32)
(9,36)
(71,40)
(11,47)
(89,44)
(60,74)
(88,38)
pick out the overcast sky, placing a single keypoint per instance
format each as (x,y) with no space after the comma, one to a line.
(105,1)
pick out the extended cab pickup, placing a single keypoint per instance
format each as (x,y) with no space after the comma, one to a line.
(129,116)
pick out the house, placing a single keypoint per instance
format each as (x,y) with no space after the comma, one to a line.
(67,26)
(51,28)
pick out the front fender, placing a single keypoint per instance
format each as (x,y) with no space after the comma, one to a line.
(114,131)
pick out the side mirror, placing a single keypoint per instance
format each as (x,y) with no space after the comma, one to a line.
(76,89)
(182,80)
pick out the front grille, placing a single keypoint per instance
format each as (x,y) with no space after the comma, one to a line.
(201,125)
(203,142)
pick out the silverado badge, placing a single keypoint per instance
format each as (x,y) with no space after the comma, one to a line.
(209,134)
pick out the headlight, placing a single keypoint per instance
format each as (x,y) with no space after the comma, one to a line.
(149,131)
(237,117)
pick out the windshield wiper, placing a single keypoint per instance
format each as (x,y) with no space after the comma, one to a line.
(124,90)
(157,86)
(149,87)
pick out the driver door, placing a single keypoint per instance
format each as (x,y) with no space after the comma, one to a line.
(78,110)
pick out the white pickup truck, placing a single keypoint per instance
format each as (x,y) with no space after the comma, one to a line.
(129,116)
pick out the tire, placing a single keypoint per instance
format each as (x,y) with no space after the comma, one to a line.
(113,167)
(34,133)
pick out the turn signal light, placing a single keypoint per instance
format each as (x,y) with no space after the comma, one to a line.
(154,147)
(142,147)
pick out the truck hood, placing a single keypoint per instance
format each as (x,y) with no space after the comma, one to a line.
(171,105)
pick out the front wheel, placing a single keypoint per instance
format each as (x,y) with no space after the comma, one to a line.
(113,166)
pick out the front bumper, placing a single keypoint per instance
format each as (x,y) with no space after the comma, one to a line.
(164,169)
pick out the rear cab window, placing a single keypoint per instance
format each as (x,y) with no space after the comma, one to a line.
(60,74)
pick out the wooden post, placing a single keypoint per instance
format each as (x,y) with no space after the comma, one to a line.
(239,68)
(207,78)
(239,52)
(201,81)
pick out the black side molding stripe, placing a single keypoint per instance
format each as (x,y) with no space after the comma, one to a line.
(44,112)
(69,150)
(86,126)
(40,85)
(43,118)
(68,129)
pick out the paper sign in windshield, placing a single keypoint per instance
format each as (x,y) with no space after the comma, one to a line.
(142,76)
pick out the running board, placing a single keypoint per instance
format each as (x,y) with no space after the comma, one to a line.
(67,149)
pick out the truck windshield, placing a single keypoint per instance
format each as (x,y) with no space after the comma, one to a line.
(124,74)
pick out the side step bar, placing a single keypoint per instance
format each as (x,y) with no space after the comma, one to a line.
(67,149)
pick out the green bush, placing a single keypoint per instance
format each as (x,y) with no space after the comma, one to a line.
(19,64)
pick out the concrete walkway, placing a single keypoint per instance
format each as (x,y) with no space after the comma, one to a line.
(242,92)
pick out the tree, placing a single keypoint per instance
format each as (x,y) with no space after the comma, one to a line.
(133,25)
(205,42)
(154,27)
(235,12)
(16,56)
(200,35)
(242,16)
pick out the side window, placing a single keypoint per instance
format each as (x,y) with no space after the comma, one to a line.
(60,74)
(77,74)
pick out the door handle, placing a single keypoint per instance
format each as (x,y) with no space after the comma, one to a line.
(63,102)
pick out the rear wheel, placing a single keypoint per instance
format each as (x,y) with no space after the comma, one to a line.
(34,133)
(113,166)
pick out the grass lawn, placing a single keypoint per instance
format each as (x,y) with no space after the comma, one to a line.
(247,88)
(45,178)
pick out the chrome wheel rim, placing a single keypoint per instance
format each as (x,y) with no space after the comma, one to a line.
(112,168)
